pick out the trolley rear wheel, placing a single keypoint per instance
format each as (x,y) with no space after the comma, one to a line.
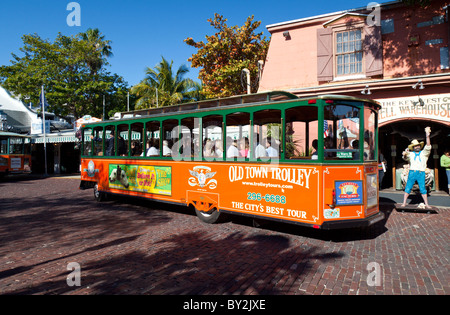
(98,195)
(212,217)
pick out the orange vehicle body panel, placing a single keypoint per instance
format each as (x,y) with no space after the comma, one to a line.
(308,194)
(15,163)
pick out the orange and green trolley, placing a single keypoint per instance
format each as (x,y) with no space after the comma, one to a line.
(15,153)
(306,161)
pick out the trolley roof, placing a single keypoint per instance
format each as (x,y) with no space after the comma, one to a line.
(12,134)
(230,102)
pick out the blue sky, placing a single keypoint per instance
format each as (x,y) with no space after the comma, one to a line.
(143,31)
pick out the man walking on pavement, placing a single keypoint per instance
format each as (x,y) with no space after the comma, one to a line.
(417,164)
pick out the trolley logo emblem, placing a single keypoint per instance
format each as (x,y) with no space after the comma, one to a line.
(91,170)
(348,190)
(202,177)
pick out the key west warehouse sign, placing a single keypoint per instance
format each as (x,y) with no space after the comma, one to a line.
(434,107)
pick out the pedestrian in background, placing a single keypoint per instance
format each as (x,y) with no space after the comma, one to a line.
(445,162)
(417,159)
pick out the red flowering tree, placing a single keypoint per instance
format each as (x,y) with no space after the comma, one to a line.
(225,54)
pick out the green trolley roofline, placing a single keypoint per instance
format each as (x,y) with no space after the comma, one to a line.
(230,103)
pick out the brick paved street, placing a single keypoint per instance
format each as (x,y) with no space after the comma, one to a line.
(138,247)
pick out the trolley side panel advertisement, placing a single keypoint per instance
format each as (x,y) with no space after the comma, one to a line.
(148,179)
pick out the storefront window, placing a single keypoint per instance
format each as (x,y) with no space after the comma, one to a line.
(341,132)
(369,135)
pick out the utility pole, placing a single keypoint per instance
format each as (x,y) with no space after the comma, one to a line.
(43,127)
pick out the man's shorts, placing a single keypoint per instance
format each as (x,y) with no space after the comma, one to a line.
(414,176)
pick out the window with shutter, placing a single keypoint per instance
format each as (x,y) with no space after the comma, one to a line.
(348,48)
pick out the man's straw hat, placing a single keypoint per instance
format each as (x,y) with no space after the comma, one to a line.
(415,143)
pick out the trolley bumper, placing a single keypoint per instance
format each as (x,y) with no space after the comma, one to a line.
(343,224)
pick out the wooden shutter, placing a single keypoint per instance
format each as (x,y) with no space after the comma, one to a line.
(324,54)
(373,50)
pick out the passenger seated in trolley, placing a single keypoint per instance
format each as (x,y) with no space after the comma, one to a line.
(270,150)
(260,151)
(166,149)
(218,148)
(135,148)
(245,146)
(152,147)
(208,148)
(315,155)
(110,144)
(232,150)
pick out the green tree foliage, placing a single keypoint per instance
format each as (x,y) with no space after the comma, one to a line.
(72,70)
(225,54)
(162,87)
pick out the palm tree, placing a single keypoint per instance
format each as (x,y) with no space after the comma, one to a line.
(161,87)
(101,49)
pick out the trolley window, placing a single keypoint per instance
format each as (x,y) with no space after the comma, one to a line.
(98,141)
(122,140)
(110,141)
(137,138)
(238,132)
(16,146)
(212,137)
(301,133)
(267,133)
(369,134)
(4,146)
(170,135)
(341,132)
(153,139)
(190,132)
(87,141)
